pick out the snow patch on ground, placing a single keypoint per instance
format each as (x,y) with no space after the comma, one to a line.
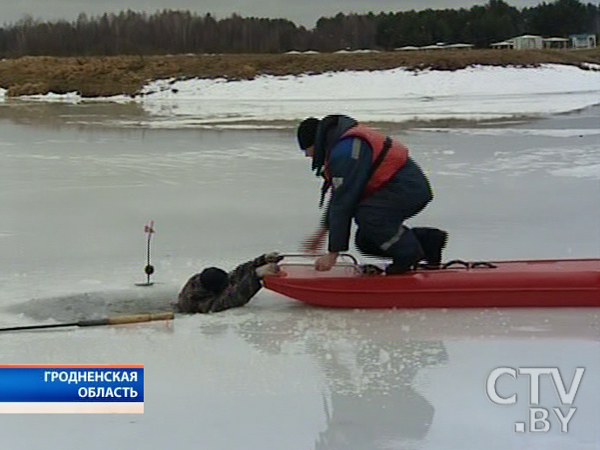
(396,95)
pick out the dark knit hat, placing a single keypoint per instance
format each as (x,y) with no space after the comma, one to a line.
(307,131)
(214,279)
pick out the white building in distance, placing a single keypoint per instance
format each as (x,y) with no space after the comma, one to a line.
(532,42)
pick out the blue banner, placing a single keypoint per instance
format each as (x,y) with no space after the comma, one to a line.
(71,383)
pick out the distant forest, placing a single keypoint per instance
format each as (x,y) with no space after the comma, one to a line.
(173,32)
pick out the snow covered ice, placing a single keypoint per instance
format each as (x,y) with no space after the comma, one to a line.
(215,164)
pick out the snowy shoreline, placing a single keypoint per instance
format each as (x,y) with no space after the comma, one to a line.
(397,96)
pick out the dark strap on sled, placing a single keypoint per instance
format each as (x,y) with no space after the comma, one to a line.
(468,264)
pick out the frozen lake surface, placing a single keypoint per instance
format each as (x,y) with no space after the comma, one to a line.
(78,183)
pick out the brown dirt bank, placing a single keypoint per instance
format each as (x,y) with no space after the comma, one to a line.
(104,76)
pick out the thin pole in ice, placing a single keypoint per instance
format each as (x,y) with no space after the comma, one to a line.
(149,269)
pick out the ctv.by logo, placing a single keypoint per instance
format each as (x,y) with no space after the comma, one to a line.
(540,419)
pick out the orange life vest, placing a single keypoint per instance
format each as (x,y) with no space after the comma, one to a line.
(392,161)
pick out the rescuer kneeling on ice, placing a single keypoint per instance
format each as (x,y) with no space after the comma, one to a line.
(374,181)
(214,290)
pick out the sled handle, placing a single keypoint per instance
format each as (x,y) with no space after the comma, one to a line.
(305,255)
(354,264)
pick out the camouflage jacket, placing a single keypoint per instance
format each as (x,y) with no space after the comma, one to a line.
(244,283)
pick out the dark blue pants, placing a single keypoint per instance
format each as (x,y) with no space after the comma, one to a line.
(381,233)
(402,247)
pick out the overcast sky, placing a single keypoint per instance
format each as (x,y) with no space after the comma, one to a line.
(302,12)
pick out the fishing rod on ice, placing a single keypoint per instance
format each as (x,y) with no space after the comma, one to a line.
(114,320)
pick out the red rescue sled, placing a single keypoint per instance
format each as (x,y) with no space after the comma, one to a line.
(543,283)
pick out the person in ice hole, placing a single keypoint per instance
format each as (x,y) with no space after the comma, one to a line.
(214,290)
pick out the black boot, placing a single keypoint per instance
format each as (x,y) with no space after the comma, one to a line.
(402,266)
(397,269)
(433,241)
